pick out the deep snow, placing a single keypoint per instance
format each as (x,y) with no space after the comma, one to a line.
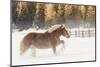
(76,49)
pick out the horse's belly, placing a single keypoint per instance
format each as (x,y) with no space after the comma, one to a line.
(42,45)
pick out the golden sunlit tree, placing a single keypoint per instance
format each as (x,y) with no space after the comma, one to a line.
(39,17)
(50,14)
(60,13)
(91,15)
(21,9)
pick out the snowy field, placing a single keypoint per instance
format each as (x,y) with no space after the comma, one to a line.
(76,49)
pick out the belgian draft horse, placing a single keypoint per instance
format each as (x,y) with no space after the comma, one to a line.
(48,39)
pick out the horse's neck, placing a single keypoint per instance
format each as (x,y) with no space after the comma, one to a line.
(55,34)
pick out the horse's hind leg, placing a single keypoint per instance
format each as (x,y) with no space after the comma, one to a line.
(33,51)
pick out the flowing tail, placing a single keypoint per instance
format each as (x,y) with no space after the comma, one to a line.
(25,44)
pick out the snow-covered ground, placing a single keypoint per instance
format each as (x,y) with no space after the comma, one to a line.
(76,49)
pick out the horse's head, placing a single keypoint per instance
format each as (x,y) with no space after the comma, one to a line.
(59,30)
(64,32)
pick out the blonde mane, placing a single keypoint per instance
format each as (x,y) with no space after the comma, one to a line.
(53,28)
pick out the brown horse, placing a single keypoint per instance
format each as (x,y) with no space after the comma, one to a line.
(48,39)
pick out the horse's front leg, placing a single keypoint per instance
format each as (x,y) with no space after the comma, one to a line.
(62,41)
(54,50)
(63,45)
(33,51)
